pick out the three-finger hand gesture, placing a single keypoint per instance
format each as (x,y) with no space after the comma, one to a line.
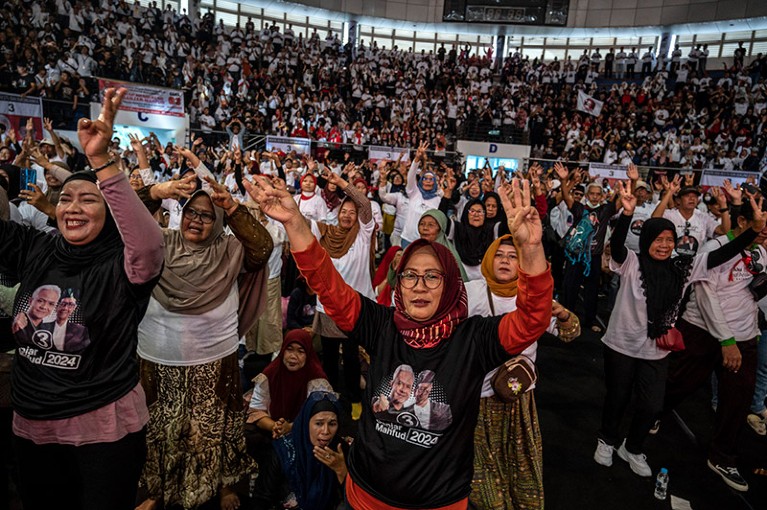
(523,219)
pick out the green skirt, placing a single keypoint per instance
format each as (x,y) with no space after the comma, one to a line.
(508,456)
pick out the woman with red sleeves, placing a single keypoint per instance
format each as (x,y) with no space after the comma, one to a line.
(412,449)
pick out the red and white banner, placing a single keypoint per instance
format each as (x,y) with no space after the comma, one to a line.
(148,99)
(16,110)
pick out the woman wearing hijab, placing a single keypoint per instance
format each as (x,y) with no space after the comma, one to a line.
(82,415)
(494,213)
(312,205)
(508,455)
(210,293)
(281,389)
(332,199)
(411,450)
(307,467)
(384,280)
(392,192)
(647,307)
(432,227)
(349,245)
(472,235)
(422,195)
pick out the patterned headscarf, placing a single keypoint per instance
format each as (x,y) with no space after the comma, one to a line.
(452,309)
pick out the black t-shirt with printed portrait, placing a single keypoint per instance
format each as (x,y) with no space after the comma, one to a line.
(69,367)
(398,458)
(600,218)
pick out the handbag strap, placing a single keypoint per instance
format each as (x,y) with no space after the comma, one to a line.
(490,301)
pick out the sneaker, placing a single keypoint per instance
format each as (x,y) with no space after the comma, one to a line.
(655,428)
(730,475)
(604,453)
(757,423)
(637,461)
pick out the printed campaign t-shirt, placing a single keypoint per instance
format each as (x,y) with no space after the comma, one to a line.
(693,233)
(420,453)
(74,354)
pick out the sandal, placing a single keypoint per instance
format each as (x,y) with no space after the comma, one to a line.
(757,423)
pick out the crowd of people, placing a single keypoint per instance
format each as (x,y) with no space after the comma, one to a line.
(198,321)
(676,112)
(157,306)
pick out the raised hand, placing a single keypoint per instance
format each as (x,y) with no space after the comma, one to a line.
(221,196)
(96,135)
(689,179)
(277,204)
(632,172)
(561,171)
(523,219)
(760,216)
(627,199)
(48,124)
(175,188)
(721,199)
(736,194)
(37,199)
(135,142)
(334,178)
(675,185)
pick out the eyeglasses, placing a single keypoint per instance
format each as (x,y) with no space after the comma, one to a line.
(431,279)
(204,217)
(477,212)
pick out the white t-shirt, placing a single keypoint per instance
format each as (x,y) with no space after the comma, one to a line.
(176,339)
(627,331)
(728,284)
(354,266)
(476,293)
(693,233)
(313,208)
(641,213)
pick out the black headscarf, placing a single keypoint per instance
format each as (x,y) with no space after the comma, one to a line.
(500,216)
(397,188)
(663,281)
(472,242)
(313,483)
(107,245)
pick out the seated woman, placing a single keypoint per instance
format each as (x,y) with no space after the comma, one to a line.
(307,467)
(281,389)
(508,473)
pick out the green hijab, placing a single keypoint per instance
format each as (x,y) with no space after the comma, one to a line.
(442,239)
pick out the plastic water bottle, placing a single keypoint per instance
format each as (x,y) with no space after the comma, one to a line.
(661,484)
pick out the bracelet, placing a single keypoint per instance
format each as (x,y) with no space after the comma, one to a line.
(724,210)
(729,341)
(107,164)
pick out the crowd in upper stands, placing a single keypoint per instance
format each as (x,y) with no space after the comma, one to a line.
(675,113)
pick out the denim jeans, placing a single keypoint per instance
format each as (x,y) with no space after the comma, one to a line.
(760,391)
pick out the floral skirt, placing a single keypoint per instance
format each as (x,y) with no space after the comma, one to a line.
(195,441)
(508,456)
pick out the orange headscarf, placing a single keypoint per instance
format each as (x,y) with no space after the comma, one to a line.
(508,289)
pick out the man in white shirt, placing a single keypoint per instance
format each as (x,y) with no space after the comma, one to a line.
(693,227)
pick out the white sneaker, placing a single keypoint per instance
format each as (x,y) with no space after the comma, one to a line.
(638,462)
(604,453)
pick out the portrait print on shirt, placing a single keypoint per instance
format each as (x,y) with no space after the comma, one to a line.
(412,400)
(48,326)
